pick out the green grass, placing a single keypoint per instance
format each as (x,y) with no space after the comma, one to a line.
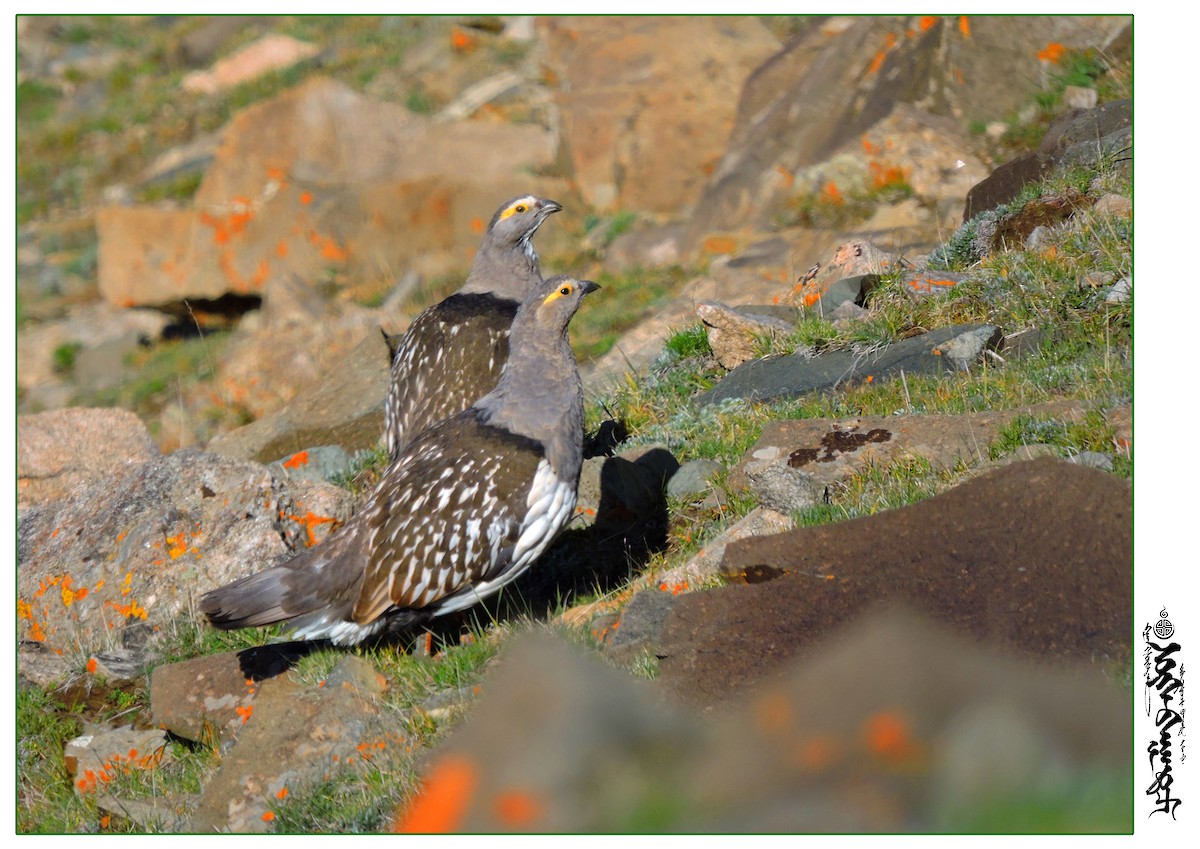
(1092,802)
(1087,355)
(64,357)
(158,374)
(1080,68)
(46,801)
(690,342)
(66,161)
(624,300)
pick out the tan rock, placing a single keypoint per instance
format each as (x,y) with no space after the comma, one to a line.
(648,103)
(270,53)
(323,179)
(61,451)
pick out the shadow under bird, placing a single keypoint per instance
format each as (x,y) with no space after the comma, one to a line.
(463,510)
(453,352)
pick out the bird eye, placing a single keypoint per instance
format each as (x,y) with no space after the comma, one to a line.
(521,207)
(565,290)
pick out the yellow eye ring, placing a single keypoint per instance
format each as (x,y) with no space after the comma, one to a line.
(521,207)
(565,290)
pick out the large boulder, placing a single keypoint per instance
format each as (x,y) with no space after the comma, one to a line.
(838,79)
(648,103)
(323,178)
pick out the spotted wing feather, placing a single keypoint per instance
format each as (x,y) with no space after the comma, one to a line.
(453,515)
(451,355)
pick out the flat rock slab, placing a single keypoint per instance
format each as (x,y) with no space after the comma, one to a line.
(347,411)
(704,565)
(793,375)
(100,755)
(795,461)
(210,698)
(61,451)
(298,734)
(1035,557)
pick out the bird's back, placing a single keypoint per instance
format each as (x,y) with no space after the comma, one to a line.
(451,355)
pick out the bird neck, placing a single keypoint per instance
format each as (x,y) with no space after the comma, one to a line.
(505,271)
(539,396)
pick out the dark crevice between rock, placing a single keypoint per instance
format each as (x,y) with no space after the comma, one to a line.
(196,316)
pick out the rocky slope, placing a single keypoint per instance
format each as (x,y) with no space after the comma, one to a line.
(865,520)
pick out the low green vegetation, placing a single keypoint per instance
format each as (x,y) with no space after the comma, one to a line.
(1085,353)
(834,206)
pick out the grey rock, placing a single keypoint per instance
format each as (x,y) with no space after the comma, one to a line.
(796,460)
(1077,97)
(994,749)
(101,752)
(104,365)
(130,553)
(640,623)
(794,374)
(1024,343)
(846,313)
(1120,291)
(1110,204)
(693,479)
(646,247)
(1074,138)
(705,564)
(580,739)
(347,411)
(733,332)
(967,349)
(299,734)
(781,486)
(62,451)
(1038,239)
(121,665)
(1095,459)
(322,463)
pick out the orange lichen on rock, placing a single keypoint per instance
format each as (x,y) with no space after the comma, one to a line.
(884,176)
(773,712)
(333,251)
(517,809)
(964,26)
(176,545)
(461,42)
(831,194)
(927,22)
(888,737)
(440,806)
(720,245)
(310,520)
(877,62)
(300,458)
(1052,52)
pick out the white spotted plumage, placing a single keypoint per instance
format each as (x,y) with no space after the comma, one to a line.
(452,352)
(465,509)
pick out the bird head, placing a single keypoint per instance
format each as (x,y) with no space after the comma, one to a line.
(517,220)
(555,301)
